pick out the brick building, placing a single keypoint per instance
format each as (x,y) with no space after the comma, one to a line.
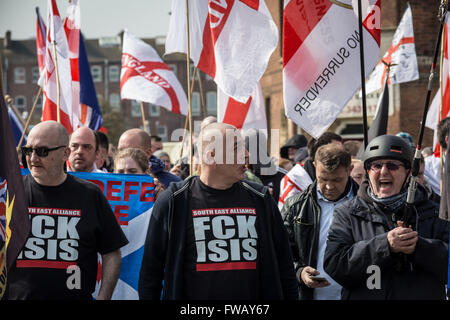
(407,100)
(21,74)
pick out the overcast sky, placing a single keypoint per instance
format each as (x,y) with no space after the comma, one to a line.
(99,18)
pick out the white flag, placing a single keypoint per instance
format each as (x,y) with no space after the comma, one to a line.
(401,53)
(231,41)
(251,114)
(145,77)
(321,60)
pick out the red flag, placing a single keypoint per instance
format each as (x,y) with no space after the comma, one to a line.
(41,31)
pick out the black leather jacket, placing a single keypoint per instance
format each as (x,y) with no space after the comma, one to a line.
(301,214)
(357,239)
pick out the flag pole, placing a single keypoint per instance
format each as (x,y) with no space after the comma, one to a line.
(187,117)
(441,108)
(363,76)
(9,100)
(58,98)
(144,123)
(202,98)
(29,117)
(188,57)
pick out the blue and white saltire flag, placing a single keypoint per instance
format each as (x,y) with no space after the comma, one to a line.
(131,197)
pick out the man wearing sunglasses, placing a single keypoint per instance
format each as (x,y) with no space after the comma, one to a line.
(71,222)
(370,252)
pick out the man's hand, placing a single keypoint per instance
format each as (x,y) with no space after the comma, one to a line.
(159,187)
(176,170)
(307,272)
(402,239)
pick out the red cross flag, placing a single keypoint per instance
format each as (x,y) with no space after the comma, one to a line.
(434,116)
(230,40)
(321,59)
(251,114)
(57,37)
(72,29)
(401,53)
(145,77)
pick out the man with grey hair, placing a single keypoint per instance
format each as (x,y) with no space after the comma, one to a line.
(215,236)
(71,222)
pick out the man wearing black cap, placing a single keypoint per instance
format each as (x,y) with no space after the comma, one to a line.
(370,252)
(289,149)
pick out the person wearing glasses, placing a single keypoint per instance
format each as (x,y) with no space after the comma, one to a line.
(370,252)
(71,222)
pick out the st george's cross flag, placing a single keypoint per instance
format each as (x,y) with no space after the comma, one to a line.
(48,81)
(321,59)
(295,181)
(72,24)
(401,54)
(145,77)
(434,115)
(230,40)
(251,114)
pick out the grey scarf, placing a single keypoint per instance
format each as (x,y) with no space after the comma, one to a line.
(393,203)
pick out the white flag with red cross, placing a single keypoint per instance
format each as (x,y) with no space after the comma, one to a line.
(321,59)
(57,37)
(145,77)
(230,40)
(72,25)
(435,115)
(251,114)
(401,54)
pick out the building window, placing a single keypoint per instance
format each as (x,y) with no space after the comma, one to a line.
(192,67)
(114,101)
(208,77)
(96,72)
(195,104)
(211,103)
(114,73)
(135,108)
(19,75)
(162,132)
(153,110)
(21,102)
(35,74)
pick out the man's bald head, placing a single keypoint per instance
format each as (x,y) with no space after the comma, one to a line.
(54,132)
(136,138)
(213,138)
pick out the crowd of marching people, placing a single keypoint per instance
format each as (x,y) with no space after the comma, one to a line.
(323,222)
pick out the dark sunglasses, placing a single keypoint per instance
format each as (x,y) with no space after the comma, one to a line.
(40,151)
(391,166)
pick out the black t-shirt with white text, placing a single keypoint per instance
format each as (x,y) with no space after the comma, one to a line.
(70,224)
(221,250)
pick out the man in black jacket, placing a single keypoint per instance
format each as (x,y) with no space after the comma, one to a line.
(370,252)
(308,216)
(215,236)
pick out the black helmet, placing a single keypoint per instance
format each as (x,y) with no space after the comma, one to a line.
(388,146)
